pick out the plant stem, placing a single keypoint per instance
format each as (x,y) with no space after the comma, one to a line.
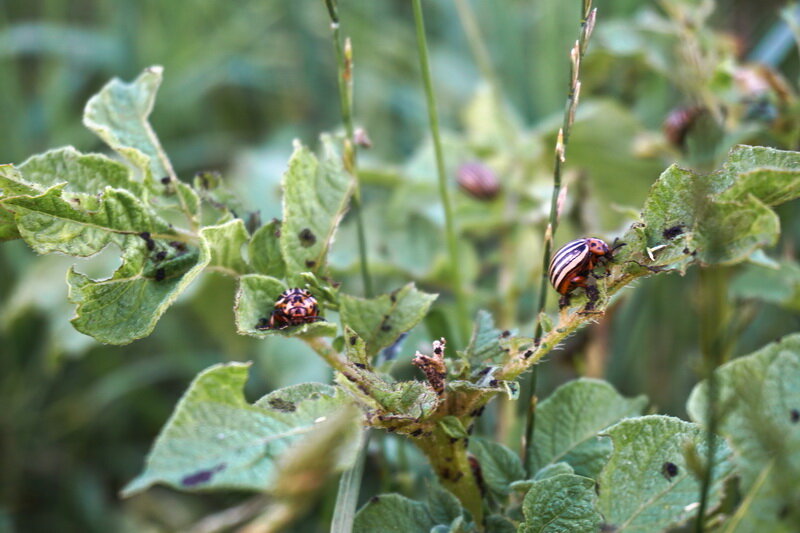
(330,355)
(433,116)
(588,17)
(448,458)
(347,495)
(483,60)
(715,344)
(344,60)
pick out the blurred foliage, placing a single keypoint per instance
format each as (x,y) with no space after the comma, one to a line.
(243,81)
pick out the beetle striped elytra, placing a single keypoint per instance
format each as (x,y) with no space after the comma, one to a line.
(572,264)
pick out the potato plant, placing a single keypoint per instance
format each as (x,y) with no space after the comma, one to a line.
(597,460)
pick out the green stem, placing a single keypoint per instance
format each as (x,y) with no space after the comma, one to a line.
(487,70)
(588,16)
(714,343)
(433,116)
(449,459)
(347,495)
(344,61)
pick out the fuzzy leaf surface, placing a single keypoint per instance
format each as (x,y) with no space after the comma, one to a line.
(759,399)
(265,250)
(128,305)
(226,242)
(565,503)
(499,465)
(718,218)
(379,321)
(316,192)
(255,301)
(119,113)
(646,485)
(215,439)
(569,421)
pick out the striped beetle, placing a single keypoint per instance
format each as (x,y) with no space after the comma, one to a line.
(572,264)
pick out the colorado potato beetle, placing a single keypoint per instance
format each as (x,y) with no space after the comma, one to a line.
(572,264)
(293,307)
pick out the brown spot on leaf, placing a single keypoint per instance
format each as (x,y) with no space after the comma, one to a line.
(201,476)
(307,237)
(282,405)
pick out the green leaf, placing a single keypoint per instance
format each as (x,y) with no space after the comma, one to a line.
(315,197)
(329,449)
(255,301)
(779,285)
(392,513)
(226,242)
(118,115)
(379,321)
(83,173)
(355,348)
(759,413)
(265,250)
(484,346)
(216,440)
(563,503)
(499,465)
(646,485)
(453,427)
(485,119)
(719,218)
(53,222)
(568,423)
(128,305)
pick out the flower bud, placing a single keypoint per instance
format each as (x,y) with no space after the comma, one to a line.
(362,138)
(478,180)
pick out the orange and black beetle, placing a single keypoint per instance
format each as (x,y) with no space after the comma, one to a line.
(293,307)
(573,263)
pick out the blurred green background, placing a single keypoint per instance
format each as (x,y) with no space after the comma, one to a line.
(242,79)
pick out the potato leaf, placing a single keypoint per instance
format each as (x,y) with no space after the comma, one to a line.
(215,439)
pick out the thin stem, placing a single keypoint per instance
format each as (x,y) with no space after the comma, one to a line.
(173,177)
(487,70)
(588,17)
(330,355)
(350,482)
(715,344)
(433,116)
(344,61)
(347,495)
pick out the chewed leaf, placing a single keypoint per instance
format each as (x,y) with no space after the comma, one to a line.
(53,222)
(255,302)
(719,218)
(379,321)
(82,173)
(315,197)
(118,115)
(128,305)
(226,242)
(215,439)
